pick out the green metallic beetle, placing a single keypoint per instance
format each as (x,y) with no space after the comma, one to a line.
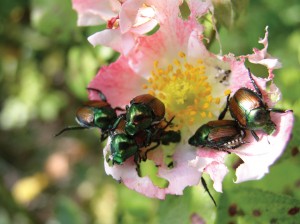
(248,108)
(95,114)
(219,134)
(143,111)
(124,146)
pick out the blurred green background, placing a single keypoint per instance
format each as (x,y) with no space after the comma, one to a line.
(46,63)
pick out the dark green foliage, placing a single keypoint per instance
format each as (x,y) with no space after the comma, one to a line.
(249,205)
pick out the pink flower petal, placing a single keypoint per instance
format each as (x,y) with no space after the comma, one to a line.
(196,48)
(128,14)
(94,12)
(259,156)
(217,172)
(118,83)
(239,76)
(211,162)
(122,43)
(262,57)
(144,28)
(179,177)
(165,44)
(182,174)
(200,8)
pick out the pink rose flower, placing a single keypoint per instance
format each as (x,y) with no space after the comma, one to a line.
(126,20)
(174,65)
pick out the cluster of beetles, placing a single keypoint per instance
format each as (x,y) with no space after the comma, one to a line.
(142,126)
(138,126)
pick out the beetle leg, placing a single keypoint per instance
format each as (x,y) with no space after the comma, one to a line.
(222,114)
(207,190)
(70,128)
(159,131)
(254,135)
(103,136)
(168,123)
(101,95)
(150,149)
(279,110)
(148,138)
(254,84)
(137,161)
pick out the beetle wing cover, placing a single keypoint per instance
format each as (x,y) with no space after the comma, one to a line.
(155,104)
(242,102)
(223,130)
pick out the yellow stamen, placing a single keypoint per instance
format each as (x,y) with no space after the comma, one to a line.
(227,92)
(181,54)
(192,113)
(183,86)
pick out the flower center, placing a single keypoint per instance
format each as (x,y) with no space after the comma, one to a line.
(184,89)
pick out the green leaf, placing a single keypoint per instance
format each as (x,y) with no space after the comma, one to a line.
(249,205)
(227,11)
(175,209)
(148,168)
(67,211)
(239,7)
(48,16)
(223,12)
(184,10)
(83,66)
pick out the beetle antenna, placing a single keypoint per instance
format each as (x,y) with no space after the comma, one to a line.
(207,190)
(70,128)
(275,110)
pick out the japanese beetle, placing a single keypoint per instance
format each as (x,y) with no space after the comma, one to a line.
(124,146)
(250,111)
(219,134)
(96,113)
(143,111)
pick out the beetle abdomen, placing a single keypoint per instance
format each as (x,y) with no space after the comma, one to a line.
(225,134)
